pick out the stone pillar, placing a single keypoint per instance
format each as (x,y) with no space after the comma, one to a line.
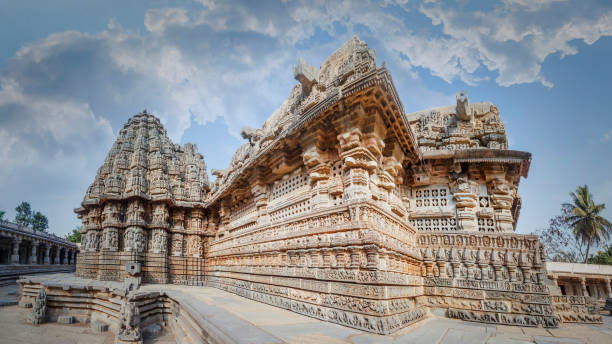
(585,292)
(33,256)
(259,189)
(372,257)
(15,255)
(466,200)
(428,260)
(47,249)
(392,176)
(316,159)
(178,227)
(608,287)
(501,199)
(57,255)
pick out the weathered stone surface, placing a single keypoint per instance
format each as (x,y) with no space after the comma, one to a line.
(65,319)
(340,207)
(99,326)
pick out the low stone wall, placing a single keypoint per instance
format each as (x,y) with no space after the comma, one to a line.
(10,273)
(88,301)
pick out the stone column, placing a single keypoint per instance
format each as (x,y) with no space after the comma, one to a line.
(466,200)
(47,249)
(608,287)
(33,256)
(316,159)
(15,255)
(259,189)
(57,255)
(501,198)
(391,176)
(585,292)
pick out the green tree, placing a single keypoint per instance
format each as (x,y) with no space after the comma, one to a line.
(603,256)
(24,214)
(39,222)
(2,212)
(588,225)
(75,236)
(559,239)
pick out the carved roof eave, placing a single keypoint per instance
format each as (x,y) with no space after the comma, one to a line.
(379,77)
(484,155)
(85,205)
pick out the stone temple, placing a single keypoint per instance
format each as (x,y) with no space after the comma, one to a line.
(341,207)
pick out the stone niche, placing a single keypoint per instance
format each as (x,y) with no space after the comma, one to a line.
(341,207)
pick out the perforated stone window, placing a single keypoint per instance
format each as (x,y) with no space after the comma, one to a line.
(245,213)
(431,197)
(289,185)
(434,224)
(484,202)
(291,211)
(486,225)
(337,182)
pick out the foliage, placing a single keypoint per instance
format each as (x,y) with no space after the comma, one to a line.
(39,222)
(35,219)
(24,214)
(75,236)
(588,225)
(2,212)
(603,256)
(560,241)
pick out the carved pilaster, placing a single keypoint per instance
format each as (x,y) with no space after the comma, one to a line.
(465,200)
(317,161)
(359,163)
(259,189)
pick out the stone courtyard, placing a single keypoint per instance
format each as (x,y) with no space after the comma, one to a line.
(238,318)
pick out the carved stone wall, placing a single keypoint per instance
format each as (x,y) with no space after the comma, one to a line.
(334,208)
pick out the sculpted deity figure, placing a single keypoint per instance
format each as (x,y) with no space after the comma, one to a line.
(134,239)
(40,307)
(129,319)
(158,241)
(177,244)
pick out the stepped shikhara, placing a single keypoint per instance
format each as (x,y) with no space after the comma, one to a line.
(340,207)
(146,205)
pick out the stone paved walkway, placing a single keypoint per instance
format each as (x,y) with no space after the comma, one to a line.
(294,328)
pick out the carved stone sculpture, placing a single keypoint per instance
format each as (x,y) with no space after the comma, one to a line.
(129,321)
(39,309)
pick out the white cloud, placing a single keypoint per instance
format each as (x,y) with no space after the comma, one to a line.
(513,40)
(607,137)
(60,95)
(156,20)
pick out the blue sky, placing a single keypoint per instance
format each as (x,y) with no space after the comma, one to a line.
(72,72)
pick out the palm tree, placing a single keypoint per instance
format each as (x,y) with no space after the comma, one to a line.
(589,227)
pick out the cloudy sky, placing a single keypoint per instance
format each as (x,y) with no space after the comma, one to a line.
(72,72)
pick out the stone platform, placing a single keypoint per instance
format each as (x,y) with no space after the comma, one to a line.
(204,314)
